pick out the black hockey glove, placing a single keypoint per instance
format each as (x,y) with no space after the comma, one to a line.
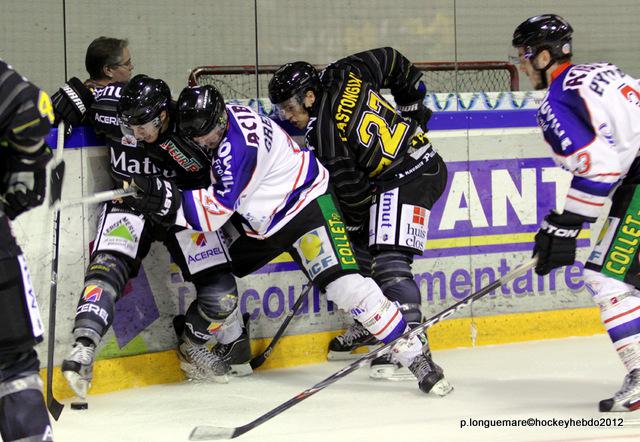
(24,181)
(155,196)
(410,102)
(417,112)
(72,101)
(556,241)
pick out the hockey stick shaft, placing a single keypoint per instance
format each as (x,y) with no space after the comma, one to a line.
(99,197)
(209,432)
(55,407)
(259,360)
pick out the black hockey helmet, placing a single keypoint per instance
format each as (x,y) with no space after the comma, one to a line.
(142,100)
(293,79)
(548,31)
(200,110)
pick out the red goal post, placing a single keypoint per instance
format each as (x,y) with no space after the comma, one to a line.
(239,82)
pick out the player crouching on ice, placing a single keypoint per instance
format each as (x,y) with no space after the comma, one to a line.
(273,196)
(591,119)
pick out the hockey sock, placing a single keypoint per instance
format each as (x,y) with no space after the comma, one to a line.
(621,317)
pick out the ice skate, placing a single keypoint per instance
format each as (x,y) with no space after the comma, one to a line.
(200,364)
(237,353)
(627,398)
(77,368)
(430,376)
(383,367)
(343,347)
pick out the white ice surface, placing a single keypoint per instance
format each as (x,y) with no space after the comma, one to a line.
(559,379)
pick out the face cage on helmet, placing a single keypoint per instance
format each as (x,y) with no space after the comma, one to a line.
(126,129)
(208,127)
(530,52)
(286,106)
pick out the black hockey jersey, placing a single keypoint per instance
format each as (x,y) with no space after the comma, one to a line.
(127,156)
(355,132)
(26,113)
(172,156)
(189,164)
(26,116)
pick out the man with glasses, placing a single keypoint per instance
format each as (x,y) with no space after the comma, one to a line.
(108,60)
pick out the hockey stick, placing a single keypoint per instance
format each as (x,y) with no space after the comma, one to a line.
(55,183)
(205,432)
(259,360)
(99,197)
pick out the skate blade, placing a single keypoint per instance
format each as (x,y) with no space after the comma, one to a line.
(241,370)
(611,406)
(79,385)
(442,388)
(349,356)
(391,373)
(195,375)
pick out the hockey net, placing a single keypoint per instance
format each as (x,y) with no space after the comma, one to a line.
(239,82)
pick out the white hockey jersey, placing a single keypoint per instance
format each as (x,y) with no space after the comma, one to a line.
(259,172)
(591,118)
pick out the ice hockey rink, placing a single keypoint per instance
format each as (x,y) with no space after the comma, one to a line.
(540,380)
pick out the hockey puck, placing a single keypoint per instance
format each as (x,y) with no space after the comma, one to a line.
(79,405)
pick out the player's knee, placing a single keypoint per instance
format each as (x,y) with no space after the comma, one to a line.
(218,296)
(391,265)
(110,268)
(604,289)
(214,307)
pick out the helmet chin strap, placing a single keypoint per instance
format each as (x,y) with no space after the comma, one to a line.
(314,106)
(543,73)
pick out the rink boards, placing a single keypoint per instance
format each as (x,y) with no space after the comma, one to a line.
(501,184)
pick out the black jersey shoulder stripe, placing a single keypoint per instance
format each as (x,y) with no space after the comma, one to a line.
(8,101)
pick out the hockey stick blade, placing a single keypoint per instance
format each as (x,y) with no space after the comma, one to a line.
(205,432)
(54,407)
(259,360)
